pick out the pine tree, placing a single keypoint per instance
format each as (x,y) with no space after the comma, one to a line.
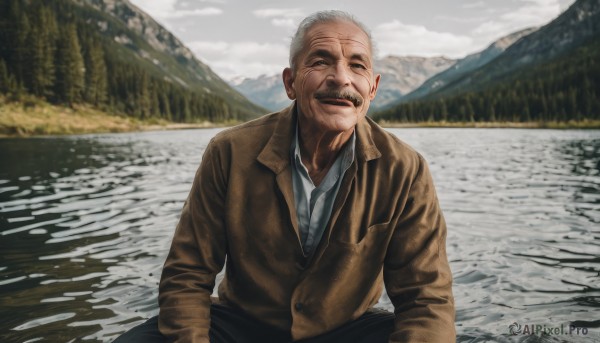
(443,111)
(154,102)
(95,73)
(143,95)
(69,67)
(163,101)
(17,45)
(40,44)
(4,77)
(469,109)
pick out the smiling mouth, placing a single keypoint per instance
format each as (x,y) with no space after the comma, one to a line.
(336,102)
(339,98)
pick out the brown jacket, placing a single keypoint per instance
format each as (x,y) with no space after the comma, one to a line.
(386,226)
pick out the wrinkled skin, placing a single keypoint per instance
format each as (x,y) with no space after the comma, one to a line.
(333,85)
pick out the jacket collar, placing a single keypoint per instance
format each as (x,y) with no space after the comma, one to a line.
(366,150)
(276,153)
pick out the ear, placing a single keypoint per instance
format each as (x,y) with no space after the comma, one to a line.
(374,88)
(288,82)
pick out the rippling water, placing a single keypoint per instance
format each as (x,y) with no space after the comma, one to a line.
(86,222)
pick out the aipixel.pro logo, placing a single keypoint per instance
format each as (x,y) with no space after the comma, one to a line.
(538,329)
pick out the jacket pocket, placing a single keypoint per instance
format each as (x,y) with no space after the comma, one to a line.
(377,234)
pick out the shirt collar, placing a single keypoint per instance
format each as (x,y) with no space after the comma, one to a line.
(347,154)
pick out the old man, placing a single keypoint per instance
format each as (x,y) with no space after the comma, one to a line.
(312,211)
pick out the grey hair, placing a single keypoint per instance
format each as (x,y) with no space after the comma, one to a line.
(321,17)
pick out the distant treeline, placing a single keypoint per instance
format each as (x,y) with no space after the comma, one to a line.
(566,88)
(48,51)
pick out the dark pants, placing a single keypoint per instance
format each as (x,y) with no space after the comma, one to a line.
(230,326)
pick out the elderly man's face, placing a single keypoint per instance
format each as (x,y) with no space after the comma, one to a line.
(333,82)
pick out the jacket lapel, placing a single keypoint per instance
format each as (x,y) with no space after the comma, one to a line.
(276,156)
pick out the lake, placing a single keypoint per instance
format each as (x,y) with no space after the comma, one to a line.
(86,223)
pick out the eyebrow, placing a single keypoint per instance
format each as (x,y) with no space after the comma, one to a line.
(320,53)
(360,57)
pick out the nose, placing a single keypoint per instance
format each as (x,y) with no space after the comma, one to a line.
(339,75)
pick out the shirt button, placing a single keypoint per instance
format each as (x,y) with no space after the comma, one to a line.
(298,307)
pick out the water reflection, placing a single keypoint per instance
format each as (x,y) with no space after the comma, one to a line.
(86,222)
(524,248)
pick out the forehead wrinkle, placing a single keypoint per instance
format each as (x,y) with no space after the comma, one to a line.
(325,30)
(345,44)
(342,39)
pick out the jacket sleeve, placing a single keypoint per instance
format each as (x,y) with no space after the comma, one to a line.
(197,254)
(416,271)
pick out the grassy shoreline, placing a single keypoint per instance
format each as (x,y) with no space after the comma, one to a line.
(29,120)
(41,119)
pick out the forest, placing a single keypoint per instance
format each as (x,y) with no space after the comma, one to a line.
(50,52)
(566,88)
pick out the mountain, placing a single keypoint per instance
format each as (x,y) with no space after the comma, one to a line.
(466,65)
(399,76)
(578,24)
(65,51)
(267,91)
(160,47)
(551,74)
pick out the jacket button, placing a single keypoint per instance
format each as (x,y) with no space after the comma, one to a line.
(298,307)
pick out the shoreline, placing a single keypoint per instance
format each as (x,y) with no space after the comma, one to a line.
(138,128)
(23,120)
(18,120)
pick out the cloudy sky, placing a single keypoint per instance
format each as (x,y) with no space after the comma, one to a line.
(251,37)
